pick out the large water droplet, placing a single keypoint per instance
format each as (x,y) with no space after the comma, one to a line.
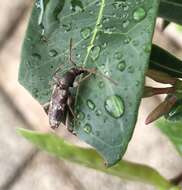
(95,52)
(53,53)
(114,106)
(85,32)
(87,128)
(90,104)
(139,14)
(121,65)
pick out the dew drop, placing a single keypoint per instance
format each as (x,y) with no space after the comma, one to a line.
(104,45)
(114,106)
(87,128)
(53,53)
(127,40)
(121,65)
(118,55)
(139,14)
(126,23)
(101,84)
(81,116)
(36,56)
(90,104)
(95,52)
(85,33)
(88,117)
(105,20)
(77,6)
(131,69)
(148,48)
(98,112)
(67,27)
(117,4)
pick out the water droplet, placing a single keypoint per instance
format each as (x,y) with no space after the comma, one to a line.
(109,30)
(87,128)
(53,53)
(126,23)
(80,116)
(95,52)
(125,7)
(121,65)
(131,69)
(118,55)
(114,106)
(36,56)
(104,45)
(98,112)
(101,84)
(127,40)
(117,4)
(85,33)
(148,48)
(90,104)
(67,27)
(105,20)
(77,6)
(88,117)
(139,14)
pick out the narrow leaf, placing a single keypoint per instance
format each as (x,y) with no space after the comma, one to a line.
(163,61)
(173,130)
(171,10)
(89,158)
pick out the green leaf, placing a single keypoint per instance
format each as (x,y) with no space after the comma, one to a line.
(114,37)
(171,10)
(173,130)
(162,60)
(89,158)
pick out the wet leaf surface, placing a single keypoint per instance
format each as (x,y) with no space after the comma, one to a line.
(112,36)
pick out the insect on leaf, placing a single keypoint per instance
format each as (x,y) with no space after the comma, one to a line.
(113,36)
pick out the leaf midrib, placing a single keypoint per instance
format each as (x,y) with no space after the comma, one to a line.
(96,29)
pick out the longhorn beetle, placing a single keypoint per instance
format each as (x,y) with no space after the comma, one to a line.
(60,106)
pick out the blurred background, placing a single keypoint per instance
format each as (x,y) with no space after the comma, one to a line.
(22,166)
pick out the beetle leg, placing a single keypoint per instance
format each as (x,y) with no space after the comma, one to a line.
(96,72)
(46,107)
(70,103)
(70,52)
(67,122)
(77,83)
